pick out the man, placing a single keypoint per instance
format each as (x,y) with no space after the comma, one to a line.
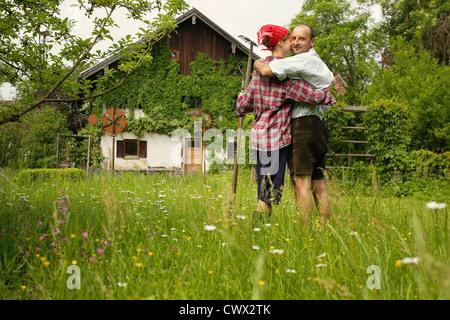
(309,132)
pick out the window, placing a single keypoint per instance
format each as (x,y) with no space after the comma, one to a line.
(131,148)
(175,55)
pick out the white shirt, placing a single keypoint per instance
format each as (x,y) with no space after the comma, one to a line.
(310,68)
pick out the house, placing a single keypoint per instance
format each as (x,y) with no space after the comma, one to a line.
(196,34)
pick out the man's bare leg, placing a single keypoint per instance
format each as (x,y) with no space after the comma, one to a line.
(302,188)
(321,198)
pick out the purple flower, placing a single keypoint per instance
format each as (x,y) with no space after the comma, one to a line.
(99,250)
(92,259)
(38,249)
(84,235)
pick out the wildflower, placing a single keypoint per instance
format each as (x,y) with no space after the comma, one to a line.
(210,272)
(277,271)
(260,283)
(435,206)
(23,287)
(242,217)
(72,236)
(74,262)
(255,247)
(42,237)
(276,251)
(210,227)
(38,249)
(84,235)
(122,284)
(291,271)
(414,260)
(92,259)
(256,229)
(99,250)
(320,265)
(352,233)
(321,255)
(138,264)
(398,263)
(150,254)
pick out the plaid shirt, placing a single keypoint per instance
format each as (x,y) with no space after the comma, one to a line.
(268,99)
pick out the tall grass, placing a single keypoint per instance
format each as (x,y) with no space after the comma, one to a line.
(165,237)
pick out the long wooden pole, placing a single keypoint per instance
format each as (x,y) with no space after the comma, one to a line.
(240,123)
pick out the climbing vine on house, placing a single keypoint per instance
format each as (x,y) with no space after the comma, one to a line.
(165,95)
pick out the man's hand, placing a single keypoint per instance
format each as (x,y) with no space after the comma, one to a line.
(263,68)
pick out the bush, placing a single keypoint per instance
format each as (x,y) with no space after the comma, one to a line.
(31,175)
(388,126)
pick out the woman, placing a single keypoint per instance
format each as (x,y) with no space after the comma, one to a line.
(268,99)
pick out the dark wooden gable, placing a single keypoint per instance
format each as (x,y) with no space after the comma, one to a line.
(194,36)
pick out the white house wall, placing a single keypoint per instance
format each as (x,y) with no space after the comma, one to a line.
(162,151)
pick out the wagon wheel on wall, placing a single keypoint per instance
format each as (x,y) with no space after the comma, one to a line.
(114,121)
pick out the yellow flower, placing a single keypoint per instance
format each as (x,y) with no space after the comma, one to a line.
(260,283)
(133,257)
(138,264)
(138,250)
(46,263)
(43,259)
(309,278)
(23,287)
(277,271)
(398,263)
(72,236)
(150,254)
(37,255)
(74,262)
(210,272)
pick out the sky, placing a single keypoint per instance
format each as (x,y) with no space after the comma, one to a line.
(237,17)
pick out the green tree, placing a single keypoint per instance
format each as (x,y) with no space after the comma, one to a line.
(422,23)
(344,40)
(41,53)
(420,82)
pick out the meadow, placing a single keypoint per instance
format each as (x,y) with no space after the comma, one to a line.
(138,236)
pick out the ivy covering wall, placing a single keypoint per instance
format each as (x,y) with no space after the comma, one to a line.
(165,95)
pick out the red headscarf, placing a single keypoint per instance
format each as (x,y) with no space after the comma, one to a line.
(275,33)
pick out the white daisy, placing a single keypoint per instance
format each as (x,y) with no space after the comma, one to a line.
(408,260)
(435,206)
